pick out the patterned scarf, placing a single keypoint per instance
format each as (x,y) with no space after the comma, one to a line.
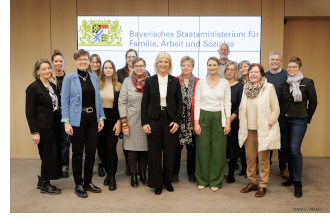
(295,83)
(252,90)
(53,97)
(186,129)
(139,81)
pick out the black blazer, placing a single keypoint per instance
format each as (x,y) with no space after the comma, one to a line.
(39,107)
(299,109)
(150,106)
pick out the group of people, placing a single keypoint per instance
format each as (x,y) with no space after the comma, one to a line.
(220,117)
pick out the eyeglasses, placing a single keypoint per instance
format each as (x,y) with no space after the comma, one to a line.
(82,60)
(131,57)
(275,59)
(138,66)
(95,63)
(230,70)
(254,72)
(292,68)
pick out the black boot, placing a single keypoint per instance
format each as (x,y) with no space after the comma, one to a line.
(39,182)
(288,182)
(243,171)
(231,171)
(101,170)
(297,189)
(112,183)
(106,180)
(144,178)
(47,188)
(134,180)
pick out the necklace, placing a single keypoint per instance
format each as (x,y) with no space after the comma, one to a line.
(83,78)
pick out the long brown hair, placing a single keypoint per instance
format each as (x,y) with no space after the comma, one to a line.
(115,82)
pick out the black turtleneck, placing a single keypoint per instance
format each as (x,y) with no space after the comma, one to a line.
(88,91)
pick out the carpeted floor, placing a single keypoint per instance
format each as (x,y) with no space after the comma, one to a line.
(26,198)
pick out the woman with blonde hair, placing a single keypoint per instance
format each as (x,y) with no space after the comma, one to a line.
(108,137)
(161,114)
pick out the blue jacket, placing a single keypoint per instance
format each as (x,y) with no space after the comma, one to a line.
(71,98)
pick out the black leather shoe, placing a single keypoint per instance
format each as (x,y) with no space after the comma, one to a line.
(243,172)
(134,180)
(169,188)
(175,179)
(101,170)
(288,182)
(79,190)
(297,189)
(192,178)
(112,183)
(92,188)
(158,190)
(39,182)
(65,171)
(144,179)
(106,180)
(46,188)
(230,179)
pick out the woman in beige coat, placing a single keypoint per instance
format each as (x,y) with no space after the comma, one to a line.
(259,130)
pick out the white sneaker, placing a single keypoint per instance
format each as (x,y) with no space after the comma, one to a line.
(200,187)
(214,189)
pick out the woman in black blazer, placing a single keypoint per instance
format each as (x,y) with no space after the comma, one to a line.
(161,113)
(44,119)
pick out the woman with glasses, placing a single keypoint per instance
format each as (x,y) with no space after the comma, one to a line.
(212,125)
(233,150)
(299,101)
(83,115)
(44,119)
(135,139)
(259,130)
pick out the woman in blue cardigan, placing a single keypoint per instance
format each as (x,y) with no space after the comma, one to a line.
(83,115)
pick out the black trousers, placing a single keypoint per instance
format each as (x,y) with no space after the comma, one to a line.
(161,141)
(134,156)
(50,149)
(84,136)
(107,144)
(191,157)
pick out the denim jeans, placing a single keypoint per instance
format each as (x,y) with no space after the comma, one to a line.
(292,135)
(65,148)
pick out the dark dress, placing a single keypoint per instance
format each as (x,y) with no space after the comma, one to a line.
(233,149)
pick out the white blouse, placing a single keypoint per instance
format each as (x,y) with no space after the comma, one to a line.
(162,82)
(213,100)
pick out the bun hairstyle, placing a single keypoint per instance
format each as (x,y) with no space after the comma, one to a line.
(57,53)
(37,67)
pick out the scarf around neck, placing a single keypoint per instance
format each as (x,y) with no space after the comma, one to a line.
(252,90)
(295,83)
(186,129)
(139,81)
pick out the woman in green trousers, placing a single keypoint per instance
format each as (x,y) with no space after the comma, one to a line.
(212,125)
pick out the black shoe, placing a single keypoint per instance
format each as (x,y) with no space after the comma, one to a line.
(65,171)
(297,189)
(243,172)
(39,182)
(175,179)
(106,180)
(79,190)
(134,180)
(158,190)
(46,188)
(112,183)
(288,182)
(92,188)
(144,179)
(169,188)
(192,178)
(101,170)
(230,179)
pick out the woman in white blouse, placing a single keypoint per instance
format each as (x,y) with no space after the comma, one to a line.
(212,125)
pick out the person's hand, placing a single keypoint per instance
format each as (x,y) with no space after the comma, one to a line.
(226,129)
(126,131)
(101,125)
(270,123)
(117,128)
(68,129)
(36,138)
(174,128)
(147,128)
(197,128)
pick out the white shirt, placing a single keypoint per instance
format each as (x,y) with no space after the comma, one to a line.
(213,100)
(162,82)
